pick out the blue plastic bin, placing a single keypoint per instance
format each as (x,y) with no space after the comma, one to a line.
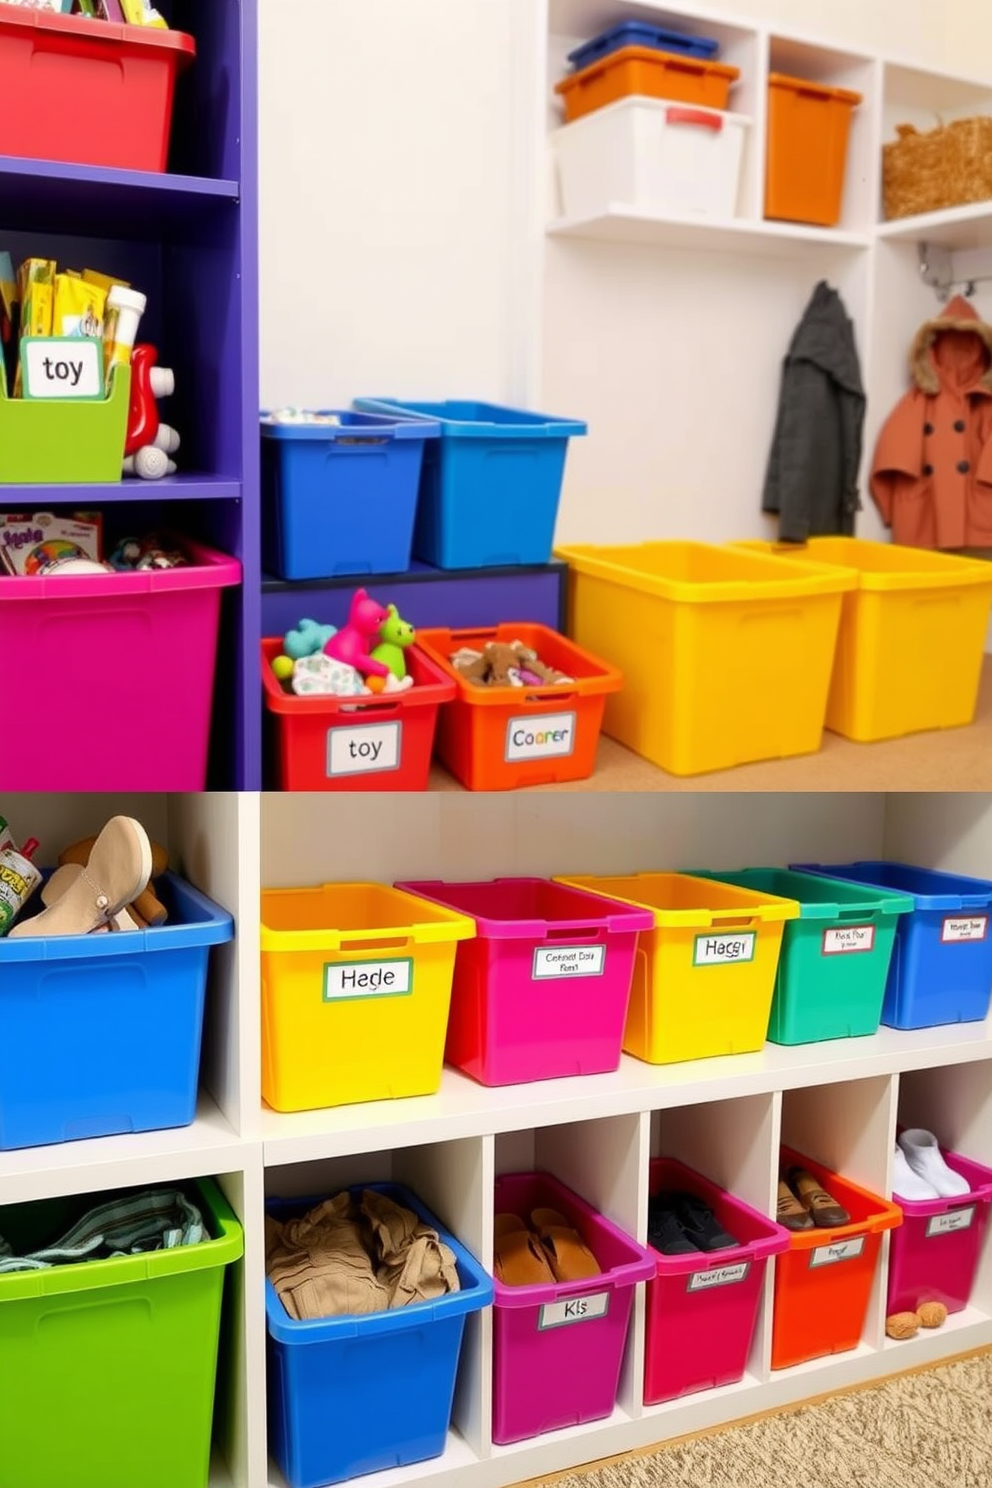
(941,969)
(341,499)
(353,1395)
(491,484)
(639,33)
(101,1033)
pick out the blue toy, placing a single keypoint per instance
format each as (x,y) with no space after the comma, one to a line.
(308,640)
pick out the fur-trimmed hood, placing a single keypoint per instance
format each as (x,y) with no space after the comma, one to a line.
(956,347)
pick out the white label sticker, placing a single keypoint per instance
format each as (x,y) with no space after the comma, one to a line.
(957,928)
(568,961)
(948,1224)
(575,1310)
(345,981)
(703,1281)
(841,1250)
(847,940)
(724,949)
(551,736)
(67,367)
(363,749)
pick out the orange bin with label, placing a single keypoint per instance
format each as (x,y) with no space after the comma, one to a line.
(809,125)
(648,73)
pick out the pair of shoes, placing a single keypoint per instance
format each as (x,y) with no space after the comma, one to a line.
(920,1170)
(679,1223)
(82,899)
(803,1204)
(550,1250)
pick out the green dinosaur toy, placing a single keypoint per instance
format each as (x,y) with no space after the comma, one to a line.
(395,635)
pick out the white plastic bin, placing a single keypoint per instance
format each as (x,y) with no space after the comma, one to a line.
(671,158)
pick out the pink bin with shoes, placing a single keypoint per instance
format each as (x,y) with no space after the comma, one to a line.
(558,1347)
(935,1253)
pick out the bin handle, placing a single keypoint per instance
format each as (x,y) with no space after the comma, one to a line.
(583,932)
(684,64)
(361,941)
(370,705)
(863,916)
(694,116)
(550,697)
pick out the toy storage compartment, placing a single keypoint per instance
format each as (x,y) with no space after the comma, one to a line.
(809,125)
(499,738)
(705,974)
(356,984)
(647,73)
(125,1348)
(374,743)
(835,957)
(667,158)
(341,498)
(541,992)
(136,656)
(59,71)
(823,1280)
(558,1347)
(941,968)
(699,605)
(351,1395)
(639,33)
(101,1034)
(702,1309)
(54,441)
(934,1254)
(491,484)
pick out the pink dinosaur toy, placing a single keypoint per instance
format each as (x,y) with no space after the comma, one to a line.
(354,641)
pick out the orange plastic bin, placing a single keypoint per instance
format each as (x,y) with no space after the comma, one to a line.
(823,1281)
(650,74)
(809,125)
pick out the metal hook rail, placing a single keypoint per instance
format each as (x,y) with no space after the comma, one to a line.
(942,270)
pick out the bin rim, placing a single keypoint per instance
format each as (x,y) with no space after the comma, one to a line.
(376,707)
(764,908)
(981,1192)
(886,1214)
(604,914)
(773,1241)
(437,640)
(537,426)
(640,100)
(858,898)
(636,53)
(979,897)
(822,90)
(446,926)
(379,425)
(942,571)
(210,569)
(802,581)
(106,31)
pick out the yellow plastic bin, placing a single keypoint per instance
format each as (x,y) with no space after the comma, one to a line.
(912,635)
(705,975)
(726,655)
(356,984)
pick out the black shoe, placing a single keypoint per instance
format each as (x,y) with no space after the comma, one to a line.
(700,1224)
(665,1232)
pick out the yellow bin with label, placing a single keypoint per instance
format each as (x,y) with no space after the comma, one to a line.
(356,986)
(912,635)
(726,654)
(704,977)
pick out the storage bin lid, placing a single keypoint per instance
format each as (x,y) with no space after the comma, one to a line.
(680,901)
(819,898)
(351,428)
(928,888)
(575,81)
(76,28)
(640,33)
(531,908)
(336,916)
(870,1214)
(880,567)
(703,573)
(815,90)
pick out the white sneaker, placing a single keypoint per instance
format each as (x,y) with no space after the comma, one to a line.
(909,1185)
(924,1158)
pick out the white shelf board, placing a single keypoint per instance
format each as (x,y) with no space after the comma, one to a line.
(958,229)
(936,1342)
(622,224)
(457,1457)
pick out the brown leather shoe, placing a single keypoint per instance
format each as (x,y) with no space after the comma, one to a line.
(790,1212)
(824,1209)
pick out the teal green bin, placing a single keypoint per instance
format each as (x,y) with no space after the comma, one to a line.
(108,1367)
(835,957)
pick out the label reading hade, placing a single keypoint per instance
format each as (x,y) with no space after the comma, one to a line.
(551,736)
(848,940)
(574,1310)
(705,1281)
(724,948)
(346,980)
(959,928)
(568,961)
(950,1223)
(364,749)
(840,1250)
(63,367)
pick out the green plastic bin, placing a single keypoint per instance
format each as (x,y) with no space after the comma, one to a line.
(835,957)
(107,1368)
(54,442)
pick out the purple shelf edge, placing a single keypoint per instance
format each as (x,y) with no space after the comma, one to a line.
(57,171)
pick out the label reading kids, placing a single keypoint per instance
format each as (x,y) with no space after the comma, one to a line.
(568,961)
(847,940)
(704,1281)
(348,980)
(552,736)
(575,1310)
(361,751)
(947,1224)
(57,367)
(841,1250)
(957,928)
(724,949)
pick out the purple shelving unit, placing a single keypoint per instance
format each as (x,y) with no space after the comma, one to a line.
(189,240)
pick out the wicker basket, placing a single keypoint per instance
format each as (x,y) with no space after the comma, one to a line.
(947,167)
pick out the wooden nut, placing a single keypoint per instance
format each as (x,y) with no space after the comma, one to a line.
(932,1314)
(902,1325)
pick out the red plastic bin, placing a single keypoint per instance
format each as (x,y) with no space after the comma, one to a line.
(86,91)
(542,991)
(376,743)
(934,1254)
(702,1308)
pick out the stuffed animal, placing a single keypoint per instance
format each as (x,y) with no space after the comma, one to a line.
(307,640)
(353,643)
(396,634)
(506,665)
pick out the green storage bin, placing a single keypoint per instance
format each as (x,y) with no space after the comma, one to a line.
(107,1368)
(51,442)
(835,957)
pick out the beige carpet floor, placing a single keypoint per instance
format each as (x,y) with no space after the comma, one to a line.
(926,1430)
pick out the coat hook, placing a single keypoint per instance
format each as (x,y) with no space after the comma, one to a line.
(969,289)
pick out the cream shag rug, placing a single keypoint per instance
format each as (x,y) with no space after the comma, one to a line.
(927,1430)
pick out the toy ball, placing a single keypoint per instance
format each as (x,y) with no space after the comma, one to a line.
(932,1314)
(902,1325)
(283,667)
(47,554)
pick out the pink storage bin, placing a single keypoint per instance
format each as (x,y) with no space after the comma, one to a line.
(702,1309)
(934,1254)
(109,678)
(557,1349)
(542,991)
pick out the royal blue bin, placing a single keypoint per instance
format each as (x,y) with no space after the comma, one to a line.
(352,1395)
(941,968)
(341,498)
(491,484)
(639,33)
(101,1033)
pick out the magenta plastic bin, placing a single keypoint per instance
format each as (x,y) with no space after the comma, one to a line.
(542,991)
(934,1254)
(702,1309)
(557,1349)
(113,684)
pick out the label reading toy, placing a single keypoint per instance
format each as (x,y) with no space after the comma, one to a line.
(62,367)
(575,1310)
(724,949)
(345,981)
(568,961)
(366,748)
(704,1281)
(841,1250)
(957,928)
(552,736)
(949,1224)
(847,940)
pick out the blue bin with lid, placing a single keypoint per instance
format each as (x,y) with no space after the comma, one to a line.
(341,498)
(100,1034)
(357,1394)
(941,968)
(640,33)
(491,484)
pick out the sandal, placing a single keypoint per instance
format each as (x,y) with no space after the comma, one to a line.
(518,1259)
(570,1257)
(824,1209)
